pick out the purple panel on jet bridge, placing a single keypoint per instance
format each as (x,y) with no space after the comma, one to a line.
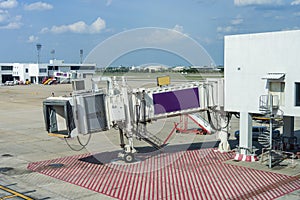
(176,100)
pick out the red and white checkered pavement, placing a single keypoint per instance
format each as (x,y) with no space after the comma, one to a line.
(195,174)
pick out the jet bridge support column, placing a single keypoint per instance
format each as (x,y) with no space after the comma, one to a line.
(245,142)
(129,149)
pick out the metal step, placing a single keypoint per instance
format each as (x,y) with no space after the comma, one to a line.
(150,139)
(264,140)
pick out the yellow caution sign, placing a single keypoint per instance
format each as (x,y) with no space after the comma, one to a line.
(163,80)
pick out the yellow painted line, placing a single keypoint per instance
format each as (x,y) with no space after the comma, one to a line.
(8,197)
(14,194)
(265,118)
(57,135)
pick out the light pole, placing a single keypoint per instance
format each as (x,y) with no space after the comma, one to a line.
(38,48)
(81,55)
(53,54)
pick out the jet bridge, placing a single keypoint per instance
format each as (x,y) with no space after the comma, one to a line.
(94,109)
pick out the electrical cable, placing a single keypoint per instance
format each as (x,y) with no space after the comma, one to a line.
(79,141)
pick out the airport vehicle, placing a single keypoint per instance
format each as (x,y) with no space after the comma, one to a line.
(257,131)
(9,83)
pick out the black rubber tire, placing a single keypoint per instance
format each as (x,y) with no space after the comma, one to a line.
(129,158)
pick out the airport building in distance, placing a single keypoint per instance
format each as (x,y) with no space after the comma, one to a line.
(37,72)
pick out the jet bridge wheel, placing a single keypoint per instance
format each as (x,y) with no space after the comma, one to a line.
(129,157)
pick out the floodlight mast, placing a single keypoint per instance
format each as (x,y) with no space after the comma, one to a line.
(81,55)
(53,54)
(38,48)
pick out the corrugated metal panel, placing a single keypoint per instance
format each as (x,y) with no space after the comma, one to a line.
(274,76)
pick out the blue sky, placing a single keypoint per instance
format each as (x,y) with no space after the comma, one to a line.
(67,26)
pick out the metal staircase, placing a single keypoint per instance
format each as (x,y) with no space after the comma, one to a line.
(269,106)
(151,139)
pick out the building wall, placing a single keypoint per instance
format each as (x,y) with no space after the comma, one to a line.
(33,70)
(249,57)
(36,72)
(21,71)
(5,72)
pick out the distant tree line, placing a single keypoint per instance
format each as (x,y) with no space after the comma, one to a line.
(123,69)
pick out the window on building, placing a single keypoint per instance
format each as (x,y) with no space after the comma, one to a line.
(277,86)
(43,70)
(297,94)
(75,68)
(26,70)
(82,67)
(277,89)
(87,67)
(6,68)
(52,67)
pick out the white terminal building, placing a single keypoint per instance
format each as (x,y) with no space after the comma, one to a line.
(259,67)
(35,73)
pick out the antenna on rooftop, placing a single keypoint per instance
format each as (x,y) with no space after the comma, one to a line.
(38,48)
(81,55)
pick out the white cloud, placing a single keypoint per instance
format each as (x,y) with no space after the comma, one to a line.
(226,29)
(237,21)
(12,25)
(279,17)
(8,4)
(17,18)
(232,27)
(204,40)
(165,36)
(10,22)
(108,2)
(297,14)
(78,27)
(32,39)
(257,2)
(291,28)
(97,26)
(3,16)
(295,2)
(38,6)
(178,28)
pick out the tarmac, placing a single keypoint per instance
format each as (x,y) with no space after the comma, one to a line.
(36,166)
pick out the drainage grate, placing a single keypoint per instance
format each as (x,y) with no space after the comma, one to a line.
(56,165)
(7,155)
(5,169)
